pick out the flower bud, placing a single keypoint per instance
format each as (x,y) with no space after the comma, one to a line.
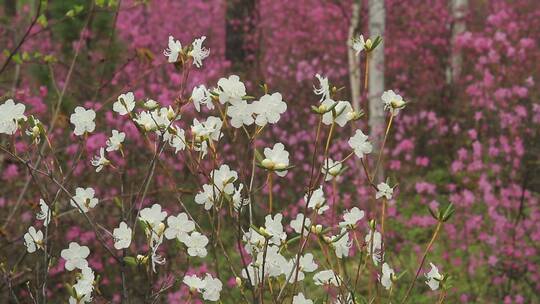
(151,104)
(268,164)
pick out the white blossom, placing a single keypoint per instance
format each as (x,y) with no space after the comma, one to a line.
(179,227)
(374,246)
(276,159)
(269,109)
(383,190)
(207,196)
(327,277)
(223,178)
(198,52)
(387,274)
(153,216)
(230,89)
(241,113)
(296,224)
(10,114)
(351,217)
(85,283)
(331,169)
(124,104)
(343,111)
(173,51)
(300,299)
(274,227)
(100,161)
(360,144)
(359,44)
(115,141)
(122,236)
(75,256)
(193,282)
(196,244)
(201,96)
(176,139)
(84,199)
(323,89)
(341,244)
(33,239)
(433,277)
(209,129)
(44,214)
(83,120)
(212,288)
(392,102)
(317,201)
(305,264)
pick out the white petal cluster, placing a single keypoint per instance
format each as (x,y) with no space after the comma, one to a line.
(198,52)
(300,299)
(75,256)
(124,104)
(210,287)
(10,114)
(84,199)
(179,227)
(392,102)
(341,243)
(201,96)
(114,143)
(230,90)
(433,277)
(83,120)
(33,239)
(122,236)
(351,217)
(84,286)
(323,89)
(374,246)
(100,161)
(173,51)
(340,114)
(360,144)
(269,109)
(317,201)
(384,190)
(331,169)
(241,113)
(45,213)
(296,224)
(327,277)
(276,159)
(387,274)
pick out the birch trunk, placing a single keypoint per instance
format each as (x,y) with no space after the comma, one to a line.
(376,76)
(458,9)
(354,62)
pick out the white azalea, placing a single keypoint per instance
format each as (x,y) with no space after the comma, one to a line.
(241,113)
(10,114)
(212,288)
(122,236)
(351,217)
(387,274)
(230,89)
(392,102)
(153,216)
(277,159)
(115,141)
(360,144)
(341,243)
(323,89)
(33,239)
(269,109)
(433,277)
(173,51)
(44,214)
(207,196)
(296,224)
(193,282)
(223,178)
(196,243)
(317,201)
(383,190)
(84,199)
(198,52)
(83,120)
(374,246)
(179,227)
(327,277)
(300,299)
(124,104)
(177,139)
(100,161)
(274,227)
(343,111)
(75,256)
(201,96)
(331,169)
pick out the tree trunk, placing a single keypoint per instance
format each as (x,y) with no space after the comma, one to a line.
(458,9)
(354,62)
(376,76)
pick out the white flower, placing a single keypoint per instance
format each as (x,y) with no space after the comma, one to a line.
(156,259)
(392,102)
(253,239)
(360,144)
(201,96)
(269,109)
(223,178)
(241,113)
(343,111)
(374,246)
(296,224)
(326,277)
(196,243)
(209,129)
(358,44)
(85,283)
(274,227)
(124,104)
(44,214)
(122,236)
(316,201)
(198,53)
(275,263)
(174,49)
(300,299)
(75,256)
(84,199)
(331,169)
(176,140)
(238,201)
(230,89)
(150,104)
(193,282)
(305,264)
(212,288)
(384,190)
(33,239)
(342,245)
(153,216)
(276,159)
(85,299)
(115,141)
(324,89)
(34,130)
(207,196)
(10,114)
(386,278)
(433,277)
(100,161)
(351,217)
(179,227)
(83,120)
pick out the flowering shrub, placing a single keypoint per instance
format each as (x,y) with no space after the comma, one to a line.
(185,185)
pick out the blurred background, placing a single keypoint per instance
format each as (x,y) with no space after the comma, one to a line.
(470,133)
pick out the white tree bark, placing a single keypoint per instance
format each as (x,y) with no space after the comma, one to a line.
(354,62)
(376,74)
(458,9)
